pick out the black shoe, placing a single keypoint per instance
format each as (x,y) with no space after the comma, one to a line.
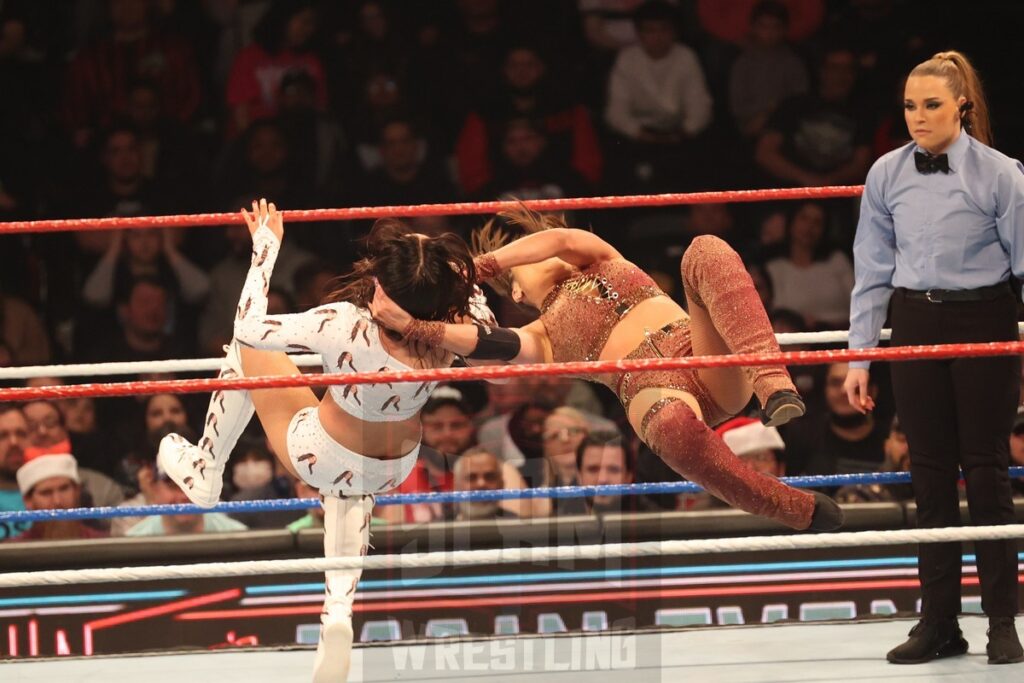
(930,639)
(1003,643)
(828,516)
(781,407)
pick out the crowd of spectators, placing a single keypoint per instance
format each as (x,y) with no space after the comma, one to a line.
(139,107)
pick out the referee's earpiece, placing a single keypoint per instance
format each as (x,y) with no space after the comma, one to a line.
(965,118)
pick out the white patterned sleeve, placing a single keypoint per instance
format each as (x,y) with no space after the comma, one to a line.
(314,331)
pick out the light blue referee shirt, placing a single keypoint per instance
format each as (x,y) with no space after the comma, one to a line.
(961,230)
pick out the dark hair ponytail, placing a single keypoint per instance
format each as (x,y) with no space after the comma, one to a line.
(430,277)
(963,81)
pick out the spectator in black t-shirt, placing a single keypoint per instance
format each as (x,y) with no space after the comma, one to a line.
(526,168)
(809,379)
(821,138)
(142,334)
(113,184)
(407,174)
(840,441)
(767,71)
(365,39)
(897,459)
(121,187)
(261,164)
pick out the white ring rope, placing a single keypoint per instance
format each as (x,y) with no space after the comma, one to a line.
(134,367)
(312,360)
(512,555)
(306,360)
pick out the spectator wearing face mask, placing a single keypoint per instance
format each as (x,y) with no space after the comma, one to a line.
(841,440)
(253,476)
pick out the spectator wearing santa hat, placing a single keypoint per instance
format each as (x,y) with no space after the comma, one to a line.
(51,482)
(48,434)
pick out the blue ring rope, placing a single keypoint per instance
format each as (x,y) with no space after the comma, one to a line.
(834,480)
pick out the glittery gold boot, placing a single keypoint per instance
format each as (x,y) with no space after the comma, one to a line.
(691,448)
(715,279)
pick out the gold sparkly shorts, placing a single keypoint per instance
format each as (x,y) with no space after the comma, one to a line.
(671,341)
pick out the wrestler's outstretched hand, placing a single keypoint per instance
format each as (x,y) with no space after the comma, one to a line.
(263,212)
(386,312)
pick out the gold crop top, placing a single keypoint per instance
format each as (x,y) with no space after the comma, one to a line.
(580,312)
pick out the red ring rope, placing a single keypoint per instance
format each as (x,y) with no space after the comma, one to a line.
(458,208)
(899,353)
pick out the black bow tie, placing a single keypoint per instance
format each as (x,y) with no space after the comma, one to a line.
(926,163)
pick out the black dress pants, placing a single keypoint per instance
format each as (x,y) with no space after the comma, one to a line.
(957,415)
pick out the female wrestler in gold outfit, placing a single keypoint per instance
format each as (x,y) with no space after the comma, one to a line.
(595,305)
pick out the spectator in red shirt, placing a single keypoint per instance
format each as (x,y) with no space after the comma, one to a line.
(100,77)
(528,168)
(431,474)
(447,432)
(526,93)
(51,482)
(282,40)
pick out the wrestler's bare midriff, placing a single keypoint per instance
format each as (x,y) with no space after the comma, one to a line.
(648,315)
(382,440)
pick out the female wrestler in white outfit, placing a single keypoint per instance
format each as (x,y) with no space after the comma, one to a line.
(359,440)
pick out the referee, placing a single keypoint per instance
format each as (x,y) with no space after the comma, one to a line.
(941,230)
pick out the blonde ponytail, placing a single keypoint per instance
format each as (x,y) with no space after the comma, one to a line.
(963,81)
(494,235)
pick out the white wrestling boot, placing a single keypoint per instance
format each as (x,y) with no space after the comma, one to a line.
(346,534)
(199,469)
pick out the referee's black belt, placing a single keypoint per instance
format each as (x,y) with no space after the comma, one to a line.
(940,296)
